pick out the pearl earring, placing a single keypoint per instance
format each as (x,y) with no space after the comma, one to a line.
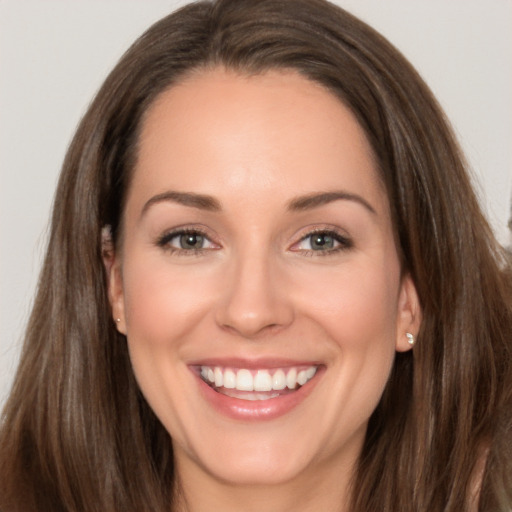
(410,338)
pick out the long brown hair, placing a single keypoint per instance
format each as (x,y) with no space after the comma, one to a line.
(78,436)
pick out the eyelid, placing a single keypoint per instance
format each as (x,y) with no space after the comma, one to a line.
(340,236)
(344,242)
(164,239)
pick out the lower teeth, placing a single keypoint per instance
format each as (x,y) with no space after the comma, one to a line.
(246,395)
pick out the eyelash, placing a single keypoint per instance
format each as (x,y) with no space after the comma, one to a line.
(164,242)
(344,243)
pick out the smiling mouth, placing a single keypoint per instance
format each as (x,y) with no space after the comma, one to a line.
(256,384)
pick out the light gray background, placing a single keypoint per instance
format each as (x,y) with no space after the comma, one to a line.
(55,54)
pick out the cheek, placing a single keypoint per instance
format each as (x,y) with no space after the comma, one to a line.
(356,304)
(163,304)
(164,308)
(357,310)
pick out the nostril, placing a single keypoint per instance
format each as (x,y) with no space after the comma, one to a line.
(246,330)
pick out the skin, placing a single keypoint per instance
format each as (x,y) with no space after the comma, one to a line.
(257,289)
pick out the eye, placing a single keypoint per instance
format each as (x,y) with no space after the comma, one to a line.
(322,242)
(191,241)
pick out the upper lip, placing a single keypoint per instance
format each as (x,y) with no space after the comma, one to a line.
(253,363)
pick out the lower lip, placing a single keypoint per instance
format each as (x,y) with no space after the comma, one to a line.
(257,410)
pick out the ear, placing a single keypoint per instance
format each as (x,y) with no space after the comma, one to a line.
(408,315)
(114,279)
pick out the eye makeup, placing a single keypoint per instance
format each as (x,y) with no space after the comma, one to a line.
(189,241)
(186,241)
(322,242)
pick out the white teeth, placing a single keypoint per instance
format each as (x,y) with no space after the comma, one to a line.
(291,378)
(244,380)
(253,396)
(279,380)
(219,378)
(262,381)
(310,372)
(259,381)
(229,379)
(302,378)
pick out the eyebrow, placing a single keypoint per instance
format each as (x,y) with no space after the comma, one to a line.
(315,200)
(200,201)
(209,203)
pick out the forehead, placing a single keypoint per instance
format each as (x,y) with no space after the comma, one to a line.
(271,131)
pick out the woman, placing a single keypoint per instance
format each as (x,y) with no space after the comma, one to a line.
(268,284)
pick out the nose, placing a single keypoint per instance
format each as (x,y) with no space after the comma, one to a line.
(255,300)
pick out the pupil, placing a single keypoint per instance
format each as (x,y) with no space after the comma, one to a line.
(322,242)
(191,241)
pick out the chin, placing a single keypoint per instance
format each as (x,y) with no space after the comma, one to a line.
(257,469)
(241,457)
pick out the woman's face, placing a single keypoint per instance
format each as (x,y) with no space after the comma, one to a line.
(258,281)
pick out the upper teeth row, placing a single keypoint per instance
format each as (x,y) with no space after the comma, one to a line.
(262,380)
